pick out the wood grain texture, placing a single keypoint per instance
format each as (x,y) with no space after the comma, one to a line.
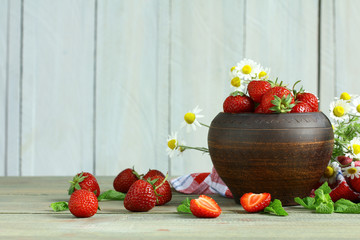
(347,47)
(3,80)
(206,41)
(35,220)
(132,84)
(57,87)
(13,88)
(282,35)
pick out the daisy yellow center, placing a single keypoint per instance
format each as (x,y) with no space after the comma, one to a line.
(345,96)
(352,170)
(262,74)
(356,149)
(246,69)
(172,144)
(233,68)
(329,172)
(358,108)
(235,82)
(339,111)
(189,118)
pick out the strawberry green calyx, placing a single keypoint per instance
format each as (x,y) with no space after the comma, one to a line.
(282,105)
(74,184)
(236,93)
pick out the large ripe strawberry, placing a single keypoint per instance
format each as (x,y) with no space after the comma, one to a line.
(125,179)
(310,99)
(83,203)
(238,102)
(278,99)
(257,88)
(344,191)
(162,190)
(153,172)
(140,197)
(84,180)
(204,207)
(252,202)
(301,107)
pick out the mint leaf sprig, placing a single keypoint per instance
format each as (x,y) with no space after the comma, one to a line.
(111,195)
(184,207)
(276,208)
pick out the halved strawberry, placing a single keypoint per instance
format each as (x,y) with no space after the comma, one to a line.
(252,202)
(204,207)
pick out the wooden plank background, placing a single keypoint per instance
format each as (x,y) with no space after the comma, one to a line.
(98,85)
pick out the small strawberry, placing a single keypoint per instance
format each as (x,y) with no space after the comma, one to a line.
(84,180)
(162,190)
(258,109)
(257,88)
(83,203)
(125,179)
(301,107)
(140,197)
(343,160)
(278,99)
(252,202)
(238,102)
(153,172)
(204,207)
(310,99)
(343,191)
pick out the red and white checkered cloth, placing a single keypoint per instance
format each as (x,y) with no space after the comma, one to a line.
(201,183)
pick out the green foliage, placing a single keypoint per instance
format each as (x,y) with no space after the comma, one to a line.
(111,195)
(276,208)
(184,207)
(59,206)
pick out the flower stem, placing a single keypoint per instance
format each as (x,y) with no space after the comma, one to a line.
(202,149)
(202,124)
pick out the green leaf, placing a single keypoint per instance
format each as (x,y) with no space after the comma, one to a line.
(307,202)
(59,206)
(184,207)
(325,187)
(276,208)
(346,206)
(325,208)
(111,195)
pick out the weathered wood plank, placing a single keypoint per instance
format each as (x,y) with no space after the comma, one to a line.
(132,83)
(282,35)
(206,40)
(3,80)
(57,99)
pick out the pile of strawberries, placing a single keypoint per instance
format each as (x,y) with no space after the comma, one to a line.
(265,96)
(143,191)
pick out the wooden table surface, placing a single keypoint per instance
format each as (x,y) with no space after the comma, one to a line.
(25,214)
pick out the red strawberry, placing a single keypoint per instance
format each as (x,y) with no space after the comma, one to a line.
(277,99)
(310,99)
(345,161)
(258,109)
(257,89)
(204,207)
(140,197)
(252,202)
(162,189)
(83,203)
(238,103)
(301,107)
(153,172)
(125,179)
(343,191)
(84,180)
(354,183)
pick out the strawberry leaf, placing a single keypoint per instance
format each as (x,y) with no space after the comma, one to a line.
(111,195)
(59,206)
(276,208)
(184,207)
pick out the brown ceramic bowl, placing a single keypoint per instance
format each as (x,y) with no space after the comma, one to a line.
(282,154)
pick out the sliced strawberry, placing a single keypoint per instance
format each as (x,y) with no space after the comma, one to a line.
(252,202)
(204,207)
(344,191)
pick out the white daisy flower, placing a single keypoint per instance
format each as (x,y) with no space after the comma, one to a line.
(355,106)
(172,144)
(351,171)
(331,173)
(354,147)
(191,119)
(339,110)
(263,73)
(246,69)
